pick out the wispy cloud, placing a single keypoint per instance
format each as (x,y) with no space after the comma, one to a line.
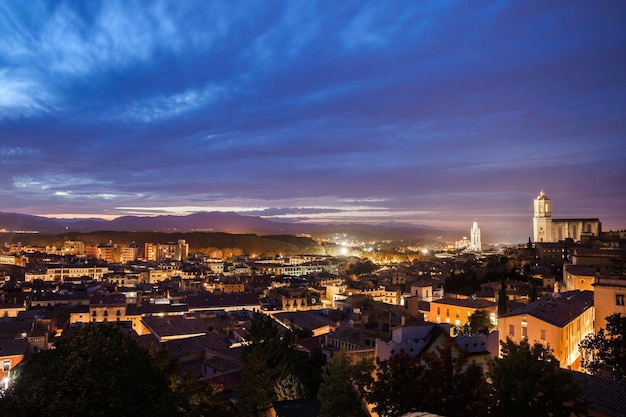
(165,107)
(21,96)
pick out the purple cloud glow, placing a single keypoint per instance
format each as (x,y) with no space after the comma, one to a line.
(436,113)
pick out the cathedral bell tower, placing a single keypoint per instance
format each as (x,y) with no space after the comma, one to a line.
(542,219)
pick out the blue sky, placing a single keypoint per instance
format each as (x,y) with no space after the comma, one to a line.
(433,113)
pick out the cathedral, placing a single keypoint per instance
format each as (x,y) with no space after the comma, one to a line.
(475,245)
(547,229)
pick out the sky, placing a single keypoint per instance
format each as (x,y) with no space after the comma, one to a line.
(432,113)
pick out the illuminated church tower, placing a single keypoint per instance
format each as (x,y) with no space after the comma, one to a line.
(475,245)
(542,219)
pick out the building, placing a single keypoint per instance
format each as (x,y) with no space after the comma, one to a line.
(578,277)
(457,311)
(610,298)
(12,353)
(102,308)
(559,320)
(547,229)
(475,245)
(63,273)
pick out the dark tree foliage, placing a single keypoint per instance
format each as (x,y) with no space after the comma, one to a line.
(264,361)
(99,371)
(363,267)
(344,384)
(503,299)
(267,358)
(479,322)
(442,382)
(527,381)
(454,385)
(606,348)
(194,398)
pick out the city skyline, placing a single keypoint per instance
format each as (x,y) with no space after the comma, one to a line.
(439,114)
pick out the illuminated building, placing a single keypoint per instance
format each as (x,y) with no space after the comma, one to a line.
(558,320)
(475,245)
(547,229)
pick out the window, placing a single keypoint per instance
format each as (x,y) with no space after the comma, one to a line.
(511,330)
(447,311)
(524,332)
(438,310)
(543,335)
(6,366)
(619,299)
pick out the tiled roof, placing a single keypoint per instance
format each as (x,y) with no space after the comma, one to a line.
(108,299)
(174,326)
(11,347)
(305,319)
(181,347)
(213,301)
(601,394)
(466,302)
(558,308)
(309,407)
(347,334)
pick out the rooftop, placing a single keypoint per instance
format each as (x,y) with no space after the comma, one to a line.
(557,308)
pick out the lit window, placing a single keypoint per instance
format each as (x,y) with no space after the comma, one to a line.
(6,366)
(619,299)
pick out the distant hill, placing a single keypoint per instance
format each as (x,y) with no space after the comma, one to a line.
(25,222)
(267,245)
(227,222)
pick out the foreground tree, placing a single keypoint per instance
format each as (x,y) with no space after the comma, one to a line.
(607,347)
(99,371)
(397,388)
(289,388)
(344,384)
(454,386)
(527,381)
(442,382)
(264,361)
(194,398)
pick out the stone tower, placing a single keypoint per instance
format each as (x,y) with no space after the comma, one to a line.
(542,219)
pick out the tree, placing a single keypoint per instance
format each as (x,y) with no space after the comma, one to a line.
(363,267)
(607,347)
(194,398)
(455,386)
(264,361)
(343,386)
(503,299)
(289,388)
(397,387)
(442,382)
(98,371)
(527,381)
(479,322)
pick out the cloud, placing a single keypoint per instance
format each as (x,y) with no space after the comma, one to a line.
(164,107)
(21,96)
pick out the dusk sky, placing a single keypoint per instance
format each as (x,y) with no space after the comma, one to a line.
(437,113)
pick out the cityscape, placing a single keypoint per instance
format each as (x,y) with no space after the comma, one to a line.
(294,209)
